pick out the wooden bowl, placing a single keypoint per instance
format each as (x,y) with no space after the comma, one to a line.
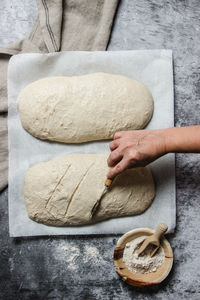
(139,279)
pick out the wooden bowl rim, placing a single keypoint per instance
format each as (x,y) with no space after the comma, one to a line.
(138,279)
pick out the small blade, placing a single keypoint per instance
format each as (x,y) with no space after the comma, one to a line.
(97,203)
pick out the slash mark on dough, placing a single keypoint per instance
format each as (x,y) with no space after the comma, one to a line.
(84,175)
(57,185)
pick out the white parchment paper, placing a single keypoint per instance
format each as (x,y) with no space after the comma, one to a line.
(153,68)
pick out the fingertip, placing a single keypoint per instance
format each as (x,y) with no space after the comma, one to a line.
(111,174)
(117,135)
(114,171)
(113,145)
(109,163)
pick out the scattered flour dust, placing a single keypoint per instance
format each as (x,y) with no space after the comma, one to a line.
(68,254)
(92,254)
(144,263)
(72,256)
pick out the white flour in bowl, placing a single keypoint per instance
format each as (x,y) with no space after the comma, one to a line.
(144,263)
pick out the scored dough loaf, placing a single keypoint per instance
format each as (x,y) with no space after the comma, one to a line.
(83,108)
(62,192)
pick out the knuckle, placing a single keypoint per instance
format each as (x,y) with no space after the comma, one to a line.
(137,155)
(133,154)
(130,152)
(118,168)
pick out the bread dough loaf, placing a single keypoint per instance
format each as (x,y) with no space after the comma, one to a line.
(62,192)
(84,108)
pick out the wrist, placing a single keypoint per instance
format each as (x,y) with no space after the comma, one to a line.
(169,141)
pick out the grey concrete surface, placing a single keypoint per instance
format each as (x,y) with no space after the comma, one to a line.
(81,267)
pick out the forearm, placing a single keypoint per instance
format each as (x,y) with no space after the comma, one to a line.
(182,139)
(138,148)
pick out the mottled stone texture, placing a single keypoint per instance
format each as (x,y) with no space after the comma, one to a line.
(81,267)
(16,20)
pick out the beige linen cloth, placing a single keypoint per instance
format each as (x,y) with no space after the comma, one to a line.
(60,25)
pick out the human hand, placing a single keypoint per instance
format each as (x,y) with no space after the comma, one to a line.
(135,148)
